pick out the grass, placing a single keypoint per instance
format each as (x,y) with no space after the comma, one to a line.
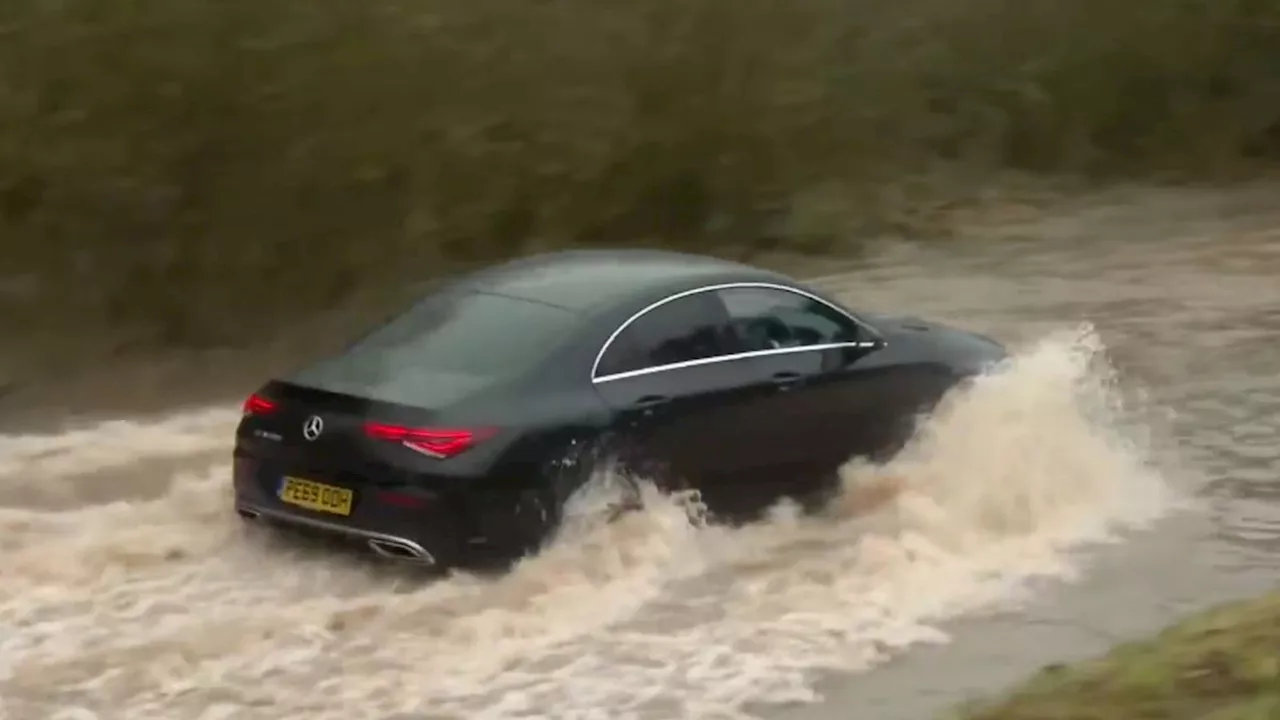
(1221,665)
(195,173)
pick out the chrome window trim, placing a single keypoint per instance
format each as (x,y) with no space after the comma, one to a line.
(727,358)
(595,366)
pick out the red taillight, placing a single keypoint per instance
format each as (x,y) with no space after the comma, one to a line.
(439,442)
(258,405)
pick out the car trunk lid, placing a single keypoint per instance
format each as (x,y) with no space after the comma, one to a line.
(337,437)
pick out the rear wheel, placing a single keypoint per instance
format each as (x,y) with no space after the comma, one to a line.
(536,515)
(587,465)
(540,508)
(511,526)
(630,500)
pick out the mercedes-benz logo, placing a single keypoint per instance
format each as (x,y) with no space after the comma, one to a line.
(312,428)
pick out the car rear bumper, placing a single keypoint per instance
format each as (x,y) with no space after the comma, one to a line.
(433,529)
(389,546)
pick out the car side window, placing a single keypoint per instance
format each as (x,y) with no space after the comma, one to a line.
(769,318)
(694,327)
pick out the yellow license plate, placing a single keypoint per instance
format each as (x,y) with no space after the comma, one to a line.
(316,496)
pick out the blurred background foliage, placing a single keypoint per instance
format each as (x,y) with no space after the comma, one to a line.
(195,172)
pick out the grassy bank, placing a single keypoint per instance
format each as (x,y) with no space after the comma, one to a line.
(201,172)
(1222,665)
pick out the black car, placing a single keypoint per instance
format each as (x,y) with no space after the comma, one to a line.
(464,423)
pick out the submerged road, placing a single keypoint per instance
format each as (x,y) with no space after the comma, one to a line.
(1125,469)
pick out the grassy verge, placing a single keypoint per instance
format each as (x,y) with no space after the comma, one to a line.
(195,173)
(1221,665)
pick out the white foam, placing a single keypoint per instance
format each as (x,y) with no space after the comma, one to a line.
(112,443)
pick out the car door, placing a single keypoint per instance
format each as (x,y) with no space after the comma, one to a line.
(826,402)
(678,393)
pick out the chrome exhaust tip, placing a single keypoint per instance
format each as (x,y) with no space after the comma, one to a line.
(401,550)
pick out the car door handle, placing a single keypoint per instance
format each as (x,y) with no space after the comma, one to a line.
(651,401)
(786,378)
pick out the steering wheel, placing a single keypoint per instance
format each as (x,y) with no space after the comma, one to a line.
(767,333)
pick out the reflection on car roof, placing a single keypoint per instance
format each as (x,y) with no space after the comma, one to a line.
(589,279)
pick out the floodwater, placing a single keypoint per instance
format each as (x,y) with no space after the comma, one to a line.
(1124,468)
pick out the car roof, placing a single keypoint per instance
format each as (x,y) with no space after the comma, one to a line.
(585,280)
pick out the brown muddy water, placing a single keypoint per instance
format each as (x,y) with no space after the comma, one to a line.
(1122,470)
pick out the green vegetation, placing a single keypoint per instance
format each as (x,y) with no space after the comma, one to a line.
(196,172)
(1222,665)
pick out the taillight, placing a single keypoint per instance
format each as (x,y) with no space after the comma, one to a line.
(437,442)
(258,405)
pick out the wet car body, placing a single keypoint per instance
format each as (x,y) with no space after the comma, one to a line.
(460,427)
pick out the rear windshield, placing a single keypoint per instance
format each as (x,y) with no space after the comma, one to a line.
(443,348)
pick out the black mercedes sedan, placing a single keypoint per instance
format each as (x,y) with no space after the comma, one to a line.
(465,422)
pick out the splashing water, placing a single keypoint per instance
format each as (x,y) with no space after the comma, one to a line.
(169,608)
